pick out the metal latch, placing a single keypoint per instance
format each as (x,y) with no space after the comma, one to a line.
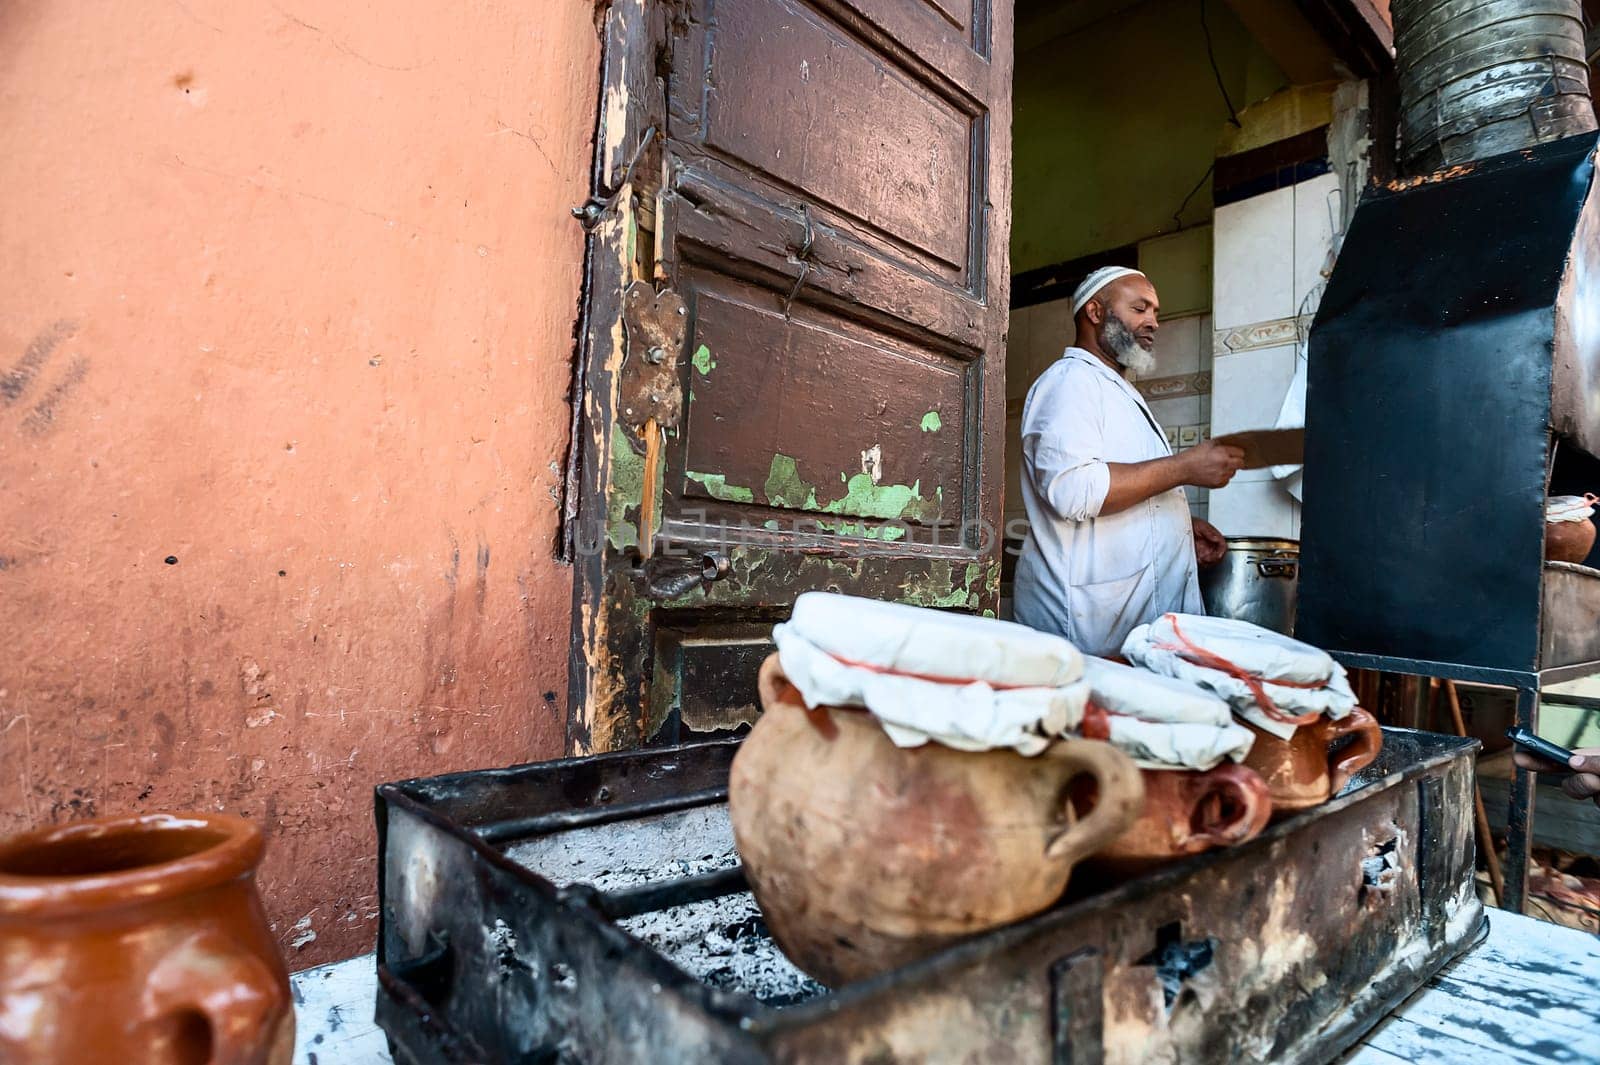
(674,576)
(656,325)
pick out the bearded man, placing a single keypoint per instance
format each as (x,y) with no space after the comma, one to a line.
(1111,544)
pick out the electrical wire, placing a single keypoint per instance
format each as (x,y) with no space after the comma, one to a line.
(1211,54)
(1177,216)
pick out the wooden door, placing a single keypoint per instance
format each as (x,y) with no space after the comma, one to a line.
(793,368)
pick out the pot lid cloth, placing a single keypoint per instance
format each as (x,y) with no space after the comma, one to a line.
(1161,722)
(933,644)
(1273,681)
(1569,508)
(974,684)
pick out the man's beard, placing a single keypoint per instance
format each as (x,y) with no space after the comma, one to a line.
(1126,347)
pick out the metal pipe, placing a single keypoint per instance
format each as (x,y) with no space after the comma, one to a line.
(1480,78)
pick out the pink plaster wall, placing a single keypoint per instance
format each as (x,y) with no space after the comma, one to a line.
(289,297)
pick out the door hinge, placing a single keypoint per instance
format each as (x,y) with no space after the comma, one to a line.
(656,325)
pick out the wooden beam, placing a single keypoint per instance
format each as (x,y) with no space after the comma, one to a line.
(1359,32)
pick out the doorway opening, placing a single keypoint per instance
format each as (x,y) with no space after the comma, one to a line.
(1217,145)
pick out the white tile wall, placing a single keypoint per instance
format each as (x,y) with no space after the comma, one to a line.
(1052,333)
(1254,508)
(1172,413)
(1253,278)
(1316,215)
(1247,388)
(1178,347)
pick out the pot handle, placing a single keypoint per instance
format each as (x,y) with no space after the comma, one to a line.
(1119,802)
(1278,566)
(1249,795)
(774,690)
(244,1003)
(1348,761)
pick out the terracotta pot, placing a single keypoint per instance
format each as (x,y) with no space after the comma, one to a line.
(1568,541)
(139,940)
(865,856)
(1187,811)
(1304,771)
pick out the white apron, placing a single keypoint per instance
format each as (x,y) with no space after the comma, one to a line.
(1089,578)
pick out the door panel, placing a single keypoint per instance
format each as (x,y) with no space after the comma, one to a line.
(761,386)
(863,138)
(830,204)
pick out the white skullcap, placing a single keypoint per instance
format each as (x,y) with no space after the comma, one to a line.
(1097,281)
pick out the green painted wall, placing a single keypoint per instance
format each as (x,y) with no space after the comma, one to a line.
(1115,123)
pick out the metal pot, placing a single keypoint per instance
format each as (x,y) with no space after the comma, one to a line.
(1256,581)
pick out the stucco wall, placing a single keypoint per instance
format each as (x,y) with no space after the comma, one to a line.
(289,305)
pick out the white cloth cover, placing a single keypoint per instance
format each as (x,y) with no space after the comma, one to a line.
(1133,692)
(932,643)
(1161,745)
(1568,508)
(912,711)
(1264,654)
(1163,723)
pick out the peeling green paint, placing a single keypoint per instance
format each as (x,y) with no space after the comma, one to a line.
(862,499)
(702,361)
(716,484)
(931,422)
(627,486)
(866,532)
(938,588)
(786,488)
(771,525)
(988,613)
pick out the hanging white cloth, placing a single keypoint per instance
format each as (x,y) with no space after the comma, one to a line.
(1292,415)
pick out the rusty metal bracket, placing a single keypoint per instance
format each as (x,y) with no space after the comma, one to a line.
(657,324)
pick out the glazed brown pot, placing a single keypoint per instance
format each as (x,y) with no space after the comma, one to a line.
(139,941)
(1568,541)
(1187,811)
(1305,770)
(865,856)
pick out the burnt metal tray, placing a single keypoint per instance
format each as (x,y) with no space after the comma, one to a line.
(592,910)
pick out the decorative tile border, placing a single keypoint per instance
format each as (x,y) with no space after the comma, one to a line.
(1176,387)
(1258,335)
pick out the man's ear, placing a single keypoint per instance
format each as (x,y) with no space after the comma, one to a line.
(1095,311)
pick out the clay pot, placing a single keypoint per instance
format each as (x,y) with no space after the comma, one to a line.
(139,940)
(1568,541)
(1188,811)
(865,856)
(1305,770)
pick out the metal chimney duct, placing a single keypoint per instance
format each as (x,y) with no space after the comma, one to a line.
(1482,77)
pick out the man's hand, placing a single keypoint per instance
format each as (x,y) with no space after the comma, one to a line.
(1210,464)
(1582,784)
(1209,545)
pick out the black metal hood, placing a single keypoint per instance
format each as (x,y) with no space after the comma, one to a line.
(1454,379)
